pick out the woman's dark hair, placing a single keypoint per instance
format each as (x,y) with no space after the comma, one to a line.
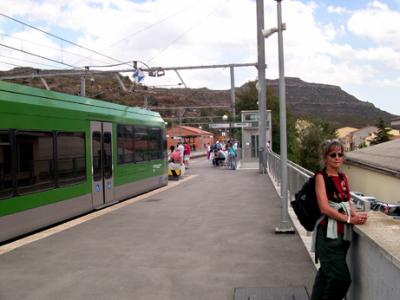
(172,148)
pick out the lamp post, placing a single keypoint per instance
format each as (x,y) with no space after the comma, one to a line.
(284,226)
(261,81)
(225,118)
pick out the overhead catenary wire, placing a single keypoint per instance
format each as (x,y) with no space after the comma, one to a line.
(57,37)
(185,32)
(28,61)
(11,64)
(153,24)
(45,46)
(37,55)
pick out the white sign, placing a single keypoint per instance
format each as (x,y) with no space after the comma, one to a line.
(241,125)
(218,125)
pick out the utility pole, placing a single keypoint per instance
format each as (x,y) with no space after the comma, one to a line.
(262,101)
(285,226)
(233,100)
(83,86)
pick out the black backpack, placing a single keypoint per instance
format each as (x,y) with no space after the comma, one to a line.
(305,204)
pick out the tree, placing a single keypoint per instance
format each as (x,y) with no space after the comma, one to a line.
(382,135)
(311,136)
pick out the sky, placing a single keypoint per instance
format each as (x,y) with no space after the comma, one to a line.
(353,44)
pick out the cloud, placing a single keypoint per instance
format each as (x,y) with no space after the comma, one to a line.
(378,23)
(338,10)
(175,33)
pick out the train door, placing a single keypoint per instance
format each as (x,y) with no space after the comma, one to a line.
(102,164)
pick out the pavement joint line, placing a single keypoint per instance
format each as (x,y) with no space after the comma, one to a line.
(90,216)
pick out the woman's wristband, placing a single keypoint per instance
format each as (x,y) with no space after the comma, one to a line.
(348,219)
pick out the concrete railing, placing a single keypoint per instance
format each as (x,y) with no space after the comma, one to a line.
(374,255)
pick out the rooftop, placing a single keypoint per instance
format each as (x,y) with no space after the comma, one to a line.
(384,157)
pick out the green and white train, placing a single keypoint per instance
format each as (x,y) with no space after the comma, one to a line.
(62,156)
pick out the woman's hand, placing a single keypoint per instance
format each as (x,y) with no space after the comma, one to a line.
(359,218)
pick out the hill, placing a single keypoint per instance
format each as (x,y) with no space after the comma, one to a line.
(328,102)
(305,100)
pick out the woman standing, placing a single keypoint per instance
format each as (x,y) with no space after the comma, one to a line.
(333,234)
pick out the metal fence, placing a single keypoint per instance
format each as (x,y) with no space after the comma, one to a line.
(297,176)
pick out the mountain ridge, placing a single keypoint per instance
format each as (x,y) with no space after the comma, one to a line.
(304,99)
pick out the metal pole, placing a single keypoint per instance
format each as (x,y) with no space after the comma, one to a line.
(284,226)
(83,86)
(261,81)
(233,108)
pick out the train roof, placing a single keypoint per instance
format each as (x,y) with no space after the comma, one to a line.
(73,102)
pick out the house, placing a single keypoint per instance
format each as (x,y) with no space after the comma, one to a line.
(362,137)
(195,137)
(395,123)
(345,134)
(375,171)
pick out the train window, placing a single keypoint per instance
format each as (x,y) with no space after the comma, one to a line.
(154,143)
(71,159)
(107,155)
(96,159)
(6,180)
(125,141)
(35,161)
(141,146)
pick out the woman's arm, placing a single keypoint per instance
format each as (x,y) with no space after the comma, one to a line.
(322,198)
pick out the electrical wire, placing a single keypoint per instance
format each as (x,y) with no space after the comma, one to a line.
(185,32)
(152,25)
(11,64)
(28,61)
(57,37)
(48,47)
(33,54)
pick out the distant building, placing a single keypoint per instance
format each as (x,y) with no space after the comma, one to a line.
(395,123)
(362,137)
(375,171)
(195,137)
(345,134)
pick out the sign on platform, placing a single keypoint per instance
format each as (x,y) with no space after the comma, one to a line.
(218,125)
(242,124)
(227,125)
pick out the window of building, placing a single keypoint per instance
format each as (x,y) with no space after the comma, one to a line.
(35,161)
(71,159)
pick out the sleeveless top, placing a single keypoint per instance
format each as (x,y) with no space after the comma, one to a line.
(342,187)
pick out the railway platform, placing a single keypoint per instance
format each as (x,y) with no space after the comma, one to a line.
(207,236)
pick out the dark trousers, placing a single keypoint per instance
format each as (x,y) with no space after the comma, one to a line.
(333,278)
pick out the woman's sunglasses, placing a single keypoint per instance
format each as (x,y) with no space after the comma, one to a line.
(335,154)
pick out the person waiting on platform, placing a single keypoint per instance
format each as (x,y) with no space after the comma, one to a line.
(332,235)
(186,154)
(171,150)
(176,156)
(231,156)
(219,158)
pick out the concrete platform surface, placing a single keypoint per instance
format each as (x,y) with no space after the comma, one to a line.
(198,240)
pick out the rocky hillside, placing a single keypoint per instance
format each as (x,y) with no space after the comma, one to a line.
(328,102)
(305,100)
